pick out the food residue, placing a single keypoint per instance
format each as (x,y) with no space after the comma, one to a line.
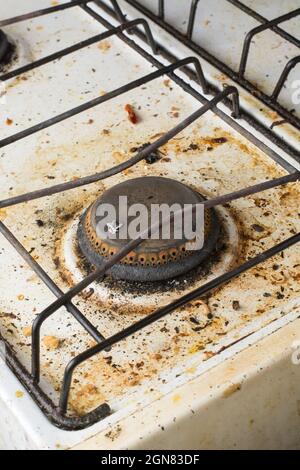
(114,433)
(131,114)
(231,390)
(176,398)
(27,331)
(51,342)
(104,46)
(88,389)
(3,214)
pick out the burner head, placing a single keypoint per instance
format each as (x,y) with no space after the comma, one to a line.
(6,49)
(154,259)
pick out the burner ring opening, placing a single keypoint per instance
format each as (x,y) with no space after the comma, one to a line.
(155,259)
(6,49)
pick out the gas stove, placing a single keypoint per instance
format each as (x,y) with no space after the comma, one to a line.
(135,343)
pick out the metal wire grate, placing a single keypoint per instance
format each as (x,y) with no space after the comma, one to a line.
(237,75)
(30,379)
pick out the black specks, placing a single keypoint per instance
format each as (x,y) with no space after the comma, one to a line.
(153,157)
(219,140)
(257,228)
(108,359)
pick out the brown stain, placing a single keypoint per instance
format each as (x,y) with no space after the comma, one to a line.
(114,433)
(233,388)
(104,46)
(3,214)
(19,80)
(88,396)
(133,373)
(103,379)
(176,398)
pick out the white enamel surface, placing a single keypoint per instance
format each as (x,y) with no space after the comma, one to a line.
(268,54)
(220,28)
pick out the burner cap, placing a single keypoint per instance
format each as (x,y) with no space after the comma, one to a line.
(154,259)
(6,49)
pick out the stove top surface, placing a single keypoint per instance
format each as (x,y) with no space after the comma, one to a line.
(209,156)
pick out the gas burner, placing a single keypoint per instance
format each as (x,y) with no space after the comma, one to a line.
(155,259)
(6,49)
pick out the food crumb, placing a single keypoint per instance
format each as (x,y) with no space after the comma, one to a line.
(114,433)
(131,114)
(9,121)
(51,342)
(27,331)
(87,294)
(21,297)
(19,394)
(231,390)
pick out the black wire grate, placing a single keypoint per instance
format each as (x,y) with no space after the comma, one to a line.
(237,75)
(30,379)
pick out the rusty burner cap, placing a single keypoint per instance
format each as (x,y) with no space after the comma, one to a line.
(152,260)
(6,49)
